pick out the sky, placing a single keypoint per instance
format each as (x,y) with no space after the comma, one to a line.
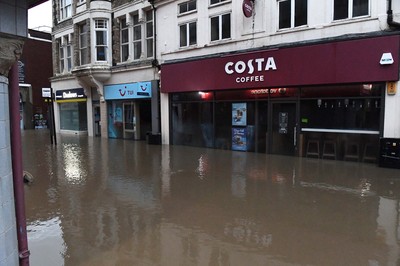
(39,16)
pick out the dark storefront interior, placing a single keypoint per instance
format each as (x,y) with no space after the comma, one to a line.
(333,122)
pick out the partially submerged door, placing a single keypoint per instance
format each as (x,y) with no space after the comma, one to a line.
(283,137)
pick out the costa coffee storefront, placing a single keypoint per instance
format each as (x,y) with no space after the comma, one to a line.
(323,100)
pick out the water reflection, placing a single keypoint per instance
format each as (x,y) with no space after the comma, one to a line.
(114,202)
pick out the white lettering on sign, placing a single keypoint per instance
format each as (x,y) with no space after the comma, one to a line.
(67,95)
(259,64)
(250,67)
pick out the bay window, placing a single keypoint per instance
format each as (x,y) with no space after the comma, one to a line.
(101,39)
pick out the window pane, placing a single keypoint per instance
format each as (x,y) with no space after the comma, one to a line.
(360,8)
(183,36)
(84,56)
(137,33)
(124,52)
(101,38)
(341,9)
(192,33)
(226,26)
(149,15)
(300,13)
(149,48)
(101,53)
(69,64)
(214,28)
(137,50)
(124,36)
(149,29)
(284,14)
(182,8)
(192,5)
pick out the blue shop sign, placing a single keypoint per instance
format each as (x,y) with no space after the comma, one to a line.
(127,91)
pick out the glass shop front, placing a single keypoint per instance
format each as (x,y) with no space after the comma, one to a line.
(281,102)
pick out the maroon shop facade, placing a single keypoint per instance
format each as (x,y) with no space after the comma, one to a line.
(322,100)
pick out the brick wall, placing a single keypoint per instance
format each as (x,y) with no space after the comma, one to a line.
(8,233)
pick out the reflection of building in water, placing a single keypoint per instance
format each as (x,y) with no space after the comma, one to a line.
(389,228)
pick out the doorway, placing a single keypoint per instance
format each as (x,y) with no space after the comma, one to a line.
(283,127)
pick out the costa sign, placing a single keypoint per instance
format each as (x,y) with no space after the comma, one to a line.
(253,66)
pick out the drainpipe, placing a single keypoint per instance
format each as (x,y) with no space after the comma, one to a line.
(155,61)
(16,156)
(390,21)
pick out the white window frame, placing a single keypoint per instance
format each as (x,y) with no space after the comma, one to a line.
(81,47)
(220,38)
(218,2)
(292,14)
(124,29)
(65,9)
(187,28)
(350,11)
(149,25)
(101,27)
(65,54)
(137,25)
(187,4)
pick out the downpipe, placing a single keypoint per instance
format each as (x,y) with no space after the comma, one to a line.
(390,21)
(16,157)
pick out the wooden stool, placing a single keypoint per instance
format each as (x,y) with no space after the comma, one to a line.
(312,148)
(329,149)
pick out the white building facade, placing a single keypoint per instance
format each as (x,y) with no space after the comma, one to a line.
(294,77)
(105,79)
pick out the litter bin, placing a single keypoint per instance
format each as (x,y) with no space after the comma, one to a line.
(389,153)
(154,139)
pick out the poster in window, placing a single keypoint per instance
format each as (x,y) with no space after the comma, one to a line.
(283,122)
(239,139)
(239,114)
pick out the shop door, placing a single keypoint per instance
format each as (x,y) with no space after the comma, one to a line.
(129,120)
(96,114)
(283,139)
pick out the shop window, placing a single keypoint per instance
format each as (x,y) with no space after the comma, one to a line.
(124,32)
(101,45)
(188,34)
(344,9)
(65,9)
(221,27)
(84,44)
(187,6)
(192,124)
(290,19)
(73,116)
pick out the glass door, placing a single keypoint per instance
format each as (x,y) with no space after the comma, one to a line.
(129,120)
(283,137)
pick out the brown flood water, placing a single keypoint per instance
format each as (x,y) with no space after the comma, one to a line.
(113,202)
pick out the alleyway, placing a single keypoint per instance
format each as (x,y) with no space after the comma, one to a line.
(113,202)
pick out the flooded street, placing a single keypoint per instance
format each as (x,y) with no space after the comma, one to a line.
(113,202)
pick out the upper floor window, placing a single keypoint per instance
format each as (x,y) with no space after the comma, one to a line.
(149,33)
(124,40)
(65,9)
(137,37)
(292,13)
(188,34)
(101,39)
(344,9)
(212,2)
(84,44)
(187,6)
(65,54)
(221,27)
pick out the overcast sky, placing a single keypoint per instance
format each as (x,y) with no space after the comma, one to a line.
(40,16)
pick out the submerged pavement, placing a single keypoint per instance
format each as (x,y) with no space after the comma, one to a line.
(116,202)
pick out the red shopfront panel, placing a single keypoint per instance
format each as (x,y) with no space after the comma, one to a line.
(355,61)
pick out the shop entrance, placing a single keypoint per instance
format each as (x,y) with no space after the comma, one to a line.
(129,120)
(283,128)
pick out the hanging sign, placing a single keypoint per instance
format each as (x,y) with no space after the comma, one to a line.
(247,7)
(46,92)
(391,88)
